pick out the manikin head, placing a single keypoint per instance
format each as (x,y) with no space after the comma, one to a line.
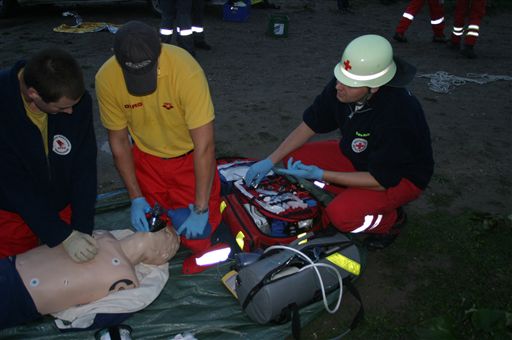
(151,248)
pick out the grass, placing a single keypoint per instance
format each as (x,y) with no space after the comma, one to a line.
(457,268)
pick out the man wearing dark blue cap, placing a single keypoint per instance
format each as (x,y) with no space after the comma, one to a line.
(157,95)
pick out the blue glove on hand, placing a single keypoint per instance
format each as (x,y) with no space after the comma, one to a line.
(138,212)
(194,225)
(298,169)
(258,171)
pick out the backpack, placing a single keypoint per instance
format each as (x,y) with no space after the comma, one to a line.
(275,212)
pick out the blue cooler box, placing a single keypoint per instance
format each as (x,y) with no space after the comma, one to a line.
(237,12)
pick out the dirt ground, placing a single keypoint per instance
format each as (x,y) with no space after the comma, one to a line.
(260,85)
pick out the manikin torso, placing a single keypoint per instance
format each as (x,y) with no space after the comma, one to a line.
(55,282)
(59,282)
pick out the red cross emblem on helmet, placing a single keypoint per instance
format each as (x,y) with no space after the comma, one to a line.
(346,63)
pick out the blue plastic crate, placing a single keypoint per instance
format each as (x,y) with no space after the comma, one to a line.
(239,11)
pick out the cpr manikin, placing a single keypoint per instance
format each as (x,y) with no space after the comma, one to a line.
(55,282)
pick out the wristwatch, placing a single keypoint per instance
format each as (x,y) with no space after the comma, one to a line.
(200,211)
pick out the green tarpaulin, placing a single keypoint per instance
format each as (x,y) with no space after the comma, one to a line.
(198,304)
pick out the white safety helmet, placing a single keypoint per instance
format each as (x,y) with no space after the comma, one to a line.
(366,61)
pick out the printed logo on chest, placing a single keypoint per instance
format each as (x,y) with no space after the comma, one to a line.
(61,145)
(133,106)
(359,145)
(167,106)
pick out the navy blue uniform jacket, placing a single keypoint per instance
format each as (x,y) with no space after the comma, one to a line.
(388,137)
(35,186)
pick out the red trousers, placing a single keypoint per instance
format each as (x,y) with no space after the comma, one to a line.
(171,183)
(355,210)
(436,16)
(468,12)
(15,235)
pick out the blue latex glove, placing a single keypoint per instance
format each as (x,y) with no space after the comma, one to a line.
(258,171)
(298,169)
(138,212)
(186,220)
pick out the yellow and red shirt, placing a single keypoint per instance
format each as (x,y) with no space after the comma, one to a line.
(159,123)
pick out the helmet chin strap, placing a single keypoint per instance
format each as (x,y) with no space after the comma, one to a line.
(362,102)
(366,97)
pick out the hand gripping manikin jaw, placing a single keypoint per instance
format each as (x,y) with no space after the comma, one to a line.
(366,61)
(161,246)
(151,248)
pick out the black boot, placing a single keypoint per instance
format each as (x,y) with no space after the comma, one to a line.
(381,241)
(439,39)
(201,44)
(468,51)
(344,7)
(200,41)
(187,43)
(454,46)
(400,37)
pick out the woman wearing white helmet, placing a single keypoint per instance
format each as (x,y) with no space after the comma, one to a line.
(384,157)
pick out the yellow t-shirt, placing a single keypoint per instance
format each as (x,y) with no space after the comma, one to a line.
(160,122)
(40,119)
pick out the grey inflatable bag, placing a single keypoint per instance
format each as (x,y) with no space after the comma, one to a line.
(267,287)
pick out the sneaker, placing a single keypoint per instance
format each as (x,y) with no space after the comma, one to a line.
(439,39)
(468,52)
(202,45)
(381,241)
(400,37)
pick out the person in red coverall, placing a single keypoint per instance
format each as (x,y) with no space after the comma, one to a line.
(436,19)
(383,159)
(469,12)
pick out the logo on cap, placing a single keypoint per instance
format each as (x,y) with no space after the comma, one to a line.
(139,65)
(347,65)
(61,145)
